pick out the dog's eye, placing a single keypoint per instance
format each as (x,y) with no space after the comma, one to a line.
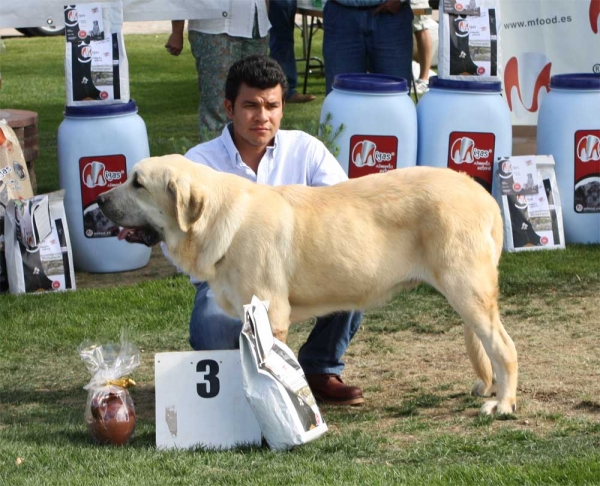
(136,182)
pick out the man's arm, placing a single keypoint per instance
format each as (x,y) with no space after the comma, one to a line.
(327,171)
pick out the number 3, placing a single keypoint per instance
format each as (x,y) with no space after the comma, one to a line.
(211,387)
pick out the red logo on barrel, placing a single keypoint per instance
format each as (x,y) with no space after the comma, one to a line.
(588,148)
(370,154)
(92,174)
(473,154)
(99,174)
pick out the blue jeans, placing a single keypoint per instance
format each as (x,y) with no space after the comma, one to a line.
(356,41)
(211,329)
(282,14)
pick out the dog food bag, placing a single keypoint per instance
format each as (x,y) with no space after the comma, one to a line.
(275,386)
(96,66)
(527,191)
(110,413)
(469,40)
(38,248)
(14,184)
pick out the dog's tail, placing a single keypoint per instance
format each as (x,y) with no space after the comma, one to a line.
(497,233)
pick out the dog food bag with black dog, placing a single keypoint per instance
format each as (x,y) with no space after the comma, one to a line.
(469,40)
(96,65)
(38,248)
(110,413)
(527,192)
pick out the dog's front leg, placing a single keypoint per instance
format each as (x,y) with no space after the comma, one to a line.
(279,317)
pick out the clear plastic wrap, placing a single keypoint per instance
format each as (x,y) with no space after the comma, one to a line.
(110,413)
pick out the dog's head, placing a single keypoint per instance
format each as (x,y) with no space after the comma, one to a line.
(158,200)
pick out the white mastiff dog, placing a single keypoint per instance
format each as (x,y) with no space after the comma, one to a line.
(312,251)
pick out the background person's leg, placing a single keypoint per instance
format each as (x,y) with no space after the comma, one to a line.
(390,44)
(214,54)
(282,15)
(344,47)
(424,52)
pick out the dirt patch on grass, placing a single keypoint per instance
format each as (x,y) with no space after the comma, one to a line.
(158,267)
(418,383)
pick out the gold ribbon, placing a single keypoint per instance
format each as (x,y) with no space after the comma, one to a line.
(122,382)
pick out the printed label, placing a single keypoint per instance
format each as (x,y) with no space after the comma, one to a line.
(587,171)
(474,44)
(94,54)
(473,154)
(97,175)
(371,154)
(84,23)
(47,268)
(462,7)
(518,176)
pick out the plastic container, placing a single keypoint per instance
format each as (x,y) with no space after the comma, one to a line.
(97,147)
(569,130)
(379,123)
(465,126)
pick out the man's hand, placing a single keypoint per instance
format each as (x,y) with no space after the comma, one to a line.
(390,6)
(174,44)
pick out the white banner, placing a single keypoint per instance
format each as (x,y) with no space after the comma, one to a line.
(541,38)
(36,13)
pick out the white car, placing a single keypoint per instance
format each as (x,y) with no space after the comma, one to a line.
(51,29)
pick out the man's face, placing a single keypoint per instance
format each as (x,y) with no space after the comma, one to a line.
(256,115)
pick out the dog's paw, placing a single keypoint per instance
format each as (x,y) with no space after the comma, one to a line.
(480,389)
(489,408)
(505,407)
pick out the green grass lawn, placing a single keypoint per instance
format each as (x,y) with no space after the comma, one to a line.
(419,425)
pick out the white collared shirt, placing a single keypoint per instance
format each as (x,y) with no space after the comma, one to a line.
(238,22)
(294,158)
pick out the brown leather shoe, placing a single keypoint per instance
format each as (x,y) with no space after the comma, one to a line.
(331,389)
(300,98)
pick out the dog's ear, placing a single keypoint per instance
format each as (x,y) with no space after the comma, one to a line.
(188,202)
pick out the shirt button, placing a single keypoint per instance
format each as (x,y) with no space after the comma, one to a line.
(224,14)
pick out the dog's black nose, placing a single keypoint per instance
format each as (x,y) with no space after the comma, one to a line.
(101,199)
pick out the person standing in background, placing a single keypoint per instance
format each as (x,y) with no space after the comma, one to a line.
(216,44)
(282,15)
(424,46)
(367,36)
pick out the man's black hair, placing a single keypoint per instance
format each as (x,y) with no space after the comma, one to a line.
(256,71)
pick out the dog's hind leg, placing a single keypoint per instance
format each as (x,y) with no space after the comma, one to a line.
(485,386)
(482,316)
(475,299)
